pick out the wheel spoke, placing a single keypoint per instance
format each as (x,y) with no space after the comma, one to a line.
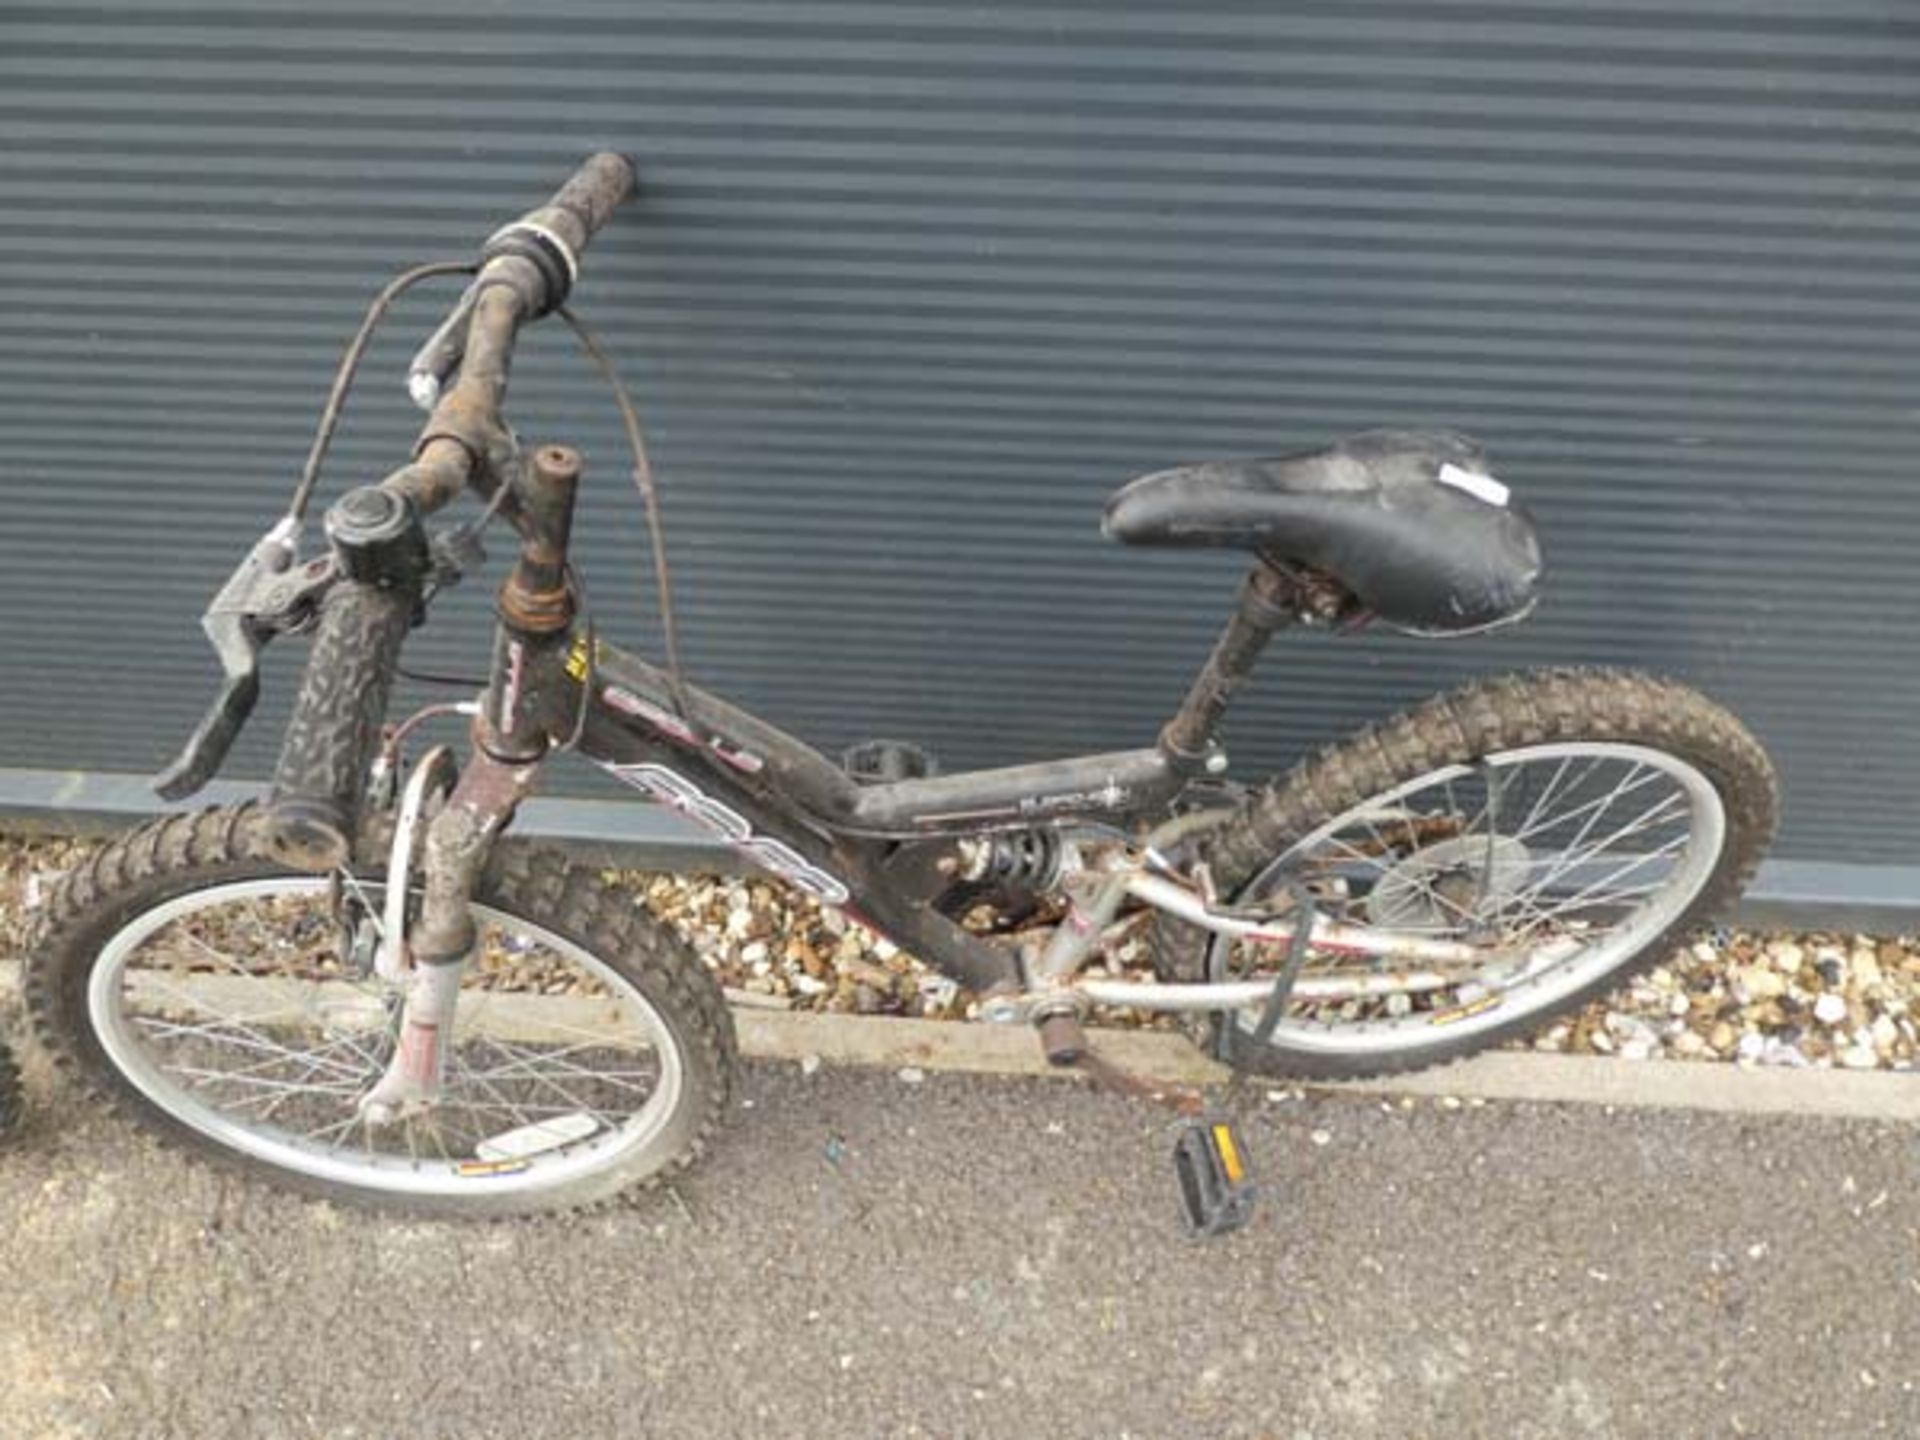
(1634,864)
(242,1041)
(1598,806)
(526,1060)
(314,1061)
(529,1067)
(1648,820)
(502,1101)
(1552,789)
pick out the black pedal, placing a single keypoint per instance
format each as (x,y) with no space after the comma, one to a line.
(881,762)
(1216,1184)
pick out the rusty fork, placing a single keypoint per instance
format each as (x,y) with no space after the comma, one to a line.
(529,708)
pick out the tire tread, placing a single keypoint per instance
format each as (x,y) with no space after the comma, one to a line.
(1501,713)
(179,853)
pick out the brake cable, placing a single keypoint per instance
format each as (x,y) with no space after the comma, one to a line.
(643,477)
(650,499)
(349,366)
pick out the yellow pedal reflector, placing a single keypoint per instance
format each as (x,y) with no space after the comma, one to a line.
(1229,1152)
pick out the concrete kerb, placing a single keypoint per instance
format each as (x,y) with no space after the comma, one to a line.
(1497,1075)
(977,1049)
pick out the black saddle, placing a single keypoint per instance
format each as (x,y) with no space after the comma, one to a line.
(1409,521)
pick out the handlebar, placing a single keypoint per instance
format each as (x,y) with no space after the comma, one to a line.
(527,268)
(601,185)
(550,239)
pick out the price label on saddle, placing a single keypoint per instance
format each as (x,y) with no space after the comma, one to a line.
(1481,487)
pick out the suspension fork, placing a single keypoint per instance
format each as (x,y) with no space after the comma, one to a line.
(529,707)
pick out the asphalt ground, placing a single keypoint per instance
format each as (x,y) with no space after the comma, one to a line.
(989,1256)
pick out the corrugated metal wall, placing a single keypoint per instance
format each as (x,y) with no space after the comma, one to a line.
(913,285)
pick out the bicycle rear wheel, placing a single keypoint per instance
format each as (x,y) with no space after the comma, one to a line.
(1571,826)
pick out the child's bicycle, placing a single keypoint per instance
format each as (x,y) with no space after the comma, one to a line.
(357,989)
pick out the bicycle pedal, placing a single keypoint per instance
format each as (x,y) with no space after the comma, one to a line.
(1217,1192)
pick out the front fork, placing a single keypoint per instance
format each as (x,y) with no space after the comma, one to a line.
(529,707)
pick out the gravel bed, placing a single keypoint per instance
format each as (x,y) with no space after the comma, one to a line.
(1774,998)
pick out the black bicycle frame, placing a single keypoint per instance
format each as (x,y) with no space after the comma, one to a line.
(882,852)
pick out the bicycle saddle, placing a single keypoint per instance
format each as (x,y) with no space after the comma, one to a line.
(1408,520)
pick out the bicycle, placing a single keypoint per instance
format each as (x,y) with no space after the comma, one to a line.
(356,988)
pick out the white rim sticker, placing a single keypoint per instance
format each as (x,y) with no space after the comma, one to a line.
(1481,487)
(537,1138)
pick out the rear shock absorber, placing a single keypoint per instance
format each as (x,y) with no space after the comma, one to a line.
(1030,859)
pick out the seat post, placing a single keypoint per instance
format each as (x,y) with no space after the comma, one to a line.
(1269,601)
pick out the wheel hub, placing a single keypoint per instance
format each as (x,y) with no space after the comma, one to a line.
(1450,883)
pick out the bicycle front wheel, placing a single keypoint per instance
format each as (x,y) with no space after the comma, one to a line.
(230,1006)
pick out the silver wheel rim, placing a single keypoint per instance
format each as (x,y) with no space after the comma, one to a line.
(1546,977)
(353,1066)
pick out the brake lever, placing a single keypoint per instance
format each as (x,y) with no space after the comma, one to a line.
(266,595)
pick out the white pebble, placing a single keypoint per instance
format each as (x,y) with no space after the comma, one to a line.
(1859,1057)
(753,952)
(1884,1032)
(912,1075)
(1751,1047)
(1782,1052)
(809,1064)
(1830,1009)
(1321,1137)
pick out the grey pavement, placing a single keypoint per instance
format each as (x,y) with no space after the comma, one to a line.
(1000,1257)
